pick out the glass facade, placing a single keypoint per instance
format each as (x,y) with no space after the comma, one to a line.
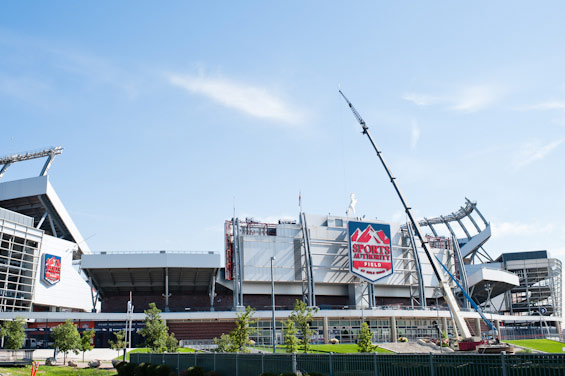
(19,252)
(347,331)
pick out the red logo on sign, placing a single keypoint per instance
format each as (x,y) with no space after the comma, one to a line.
(371,253)
(52,269)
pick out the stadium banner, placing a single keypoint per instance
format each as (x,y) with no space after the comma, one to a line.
(370,253)
(51,265)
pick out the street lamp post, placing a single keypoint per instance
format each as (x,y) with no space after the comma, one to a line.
(273,258)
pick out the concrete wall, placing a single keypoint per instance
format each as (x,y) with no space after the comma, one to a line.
(71,291)
(329,258)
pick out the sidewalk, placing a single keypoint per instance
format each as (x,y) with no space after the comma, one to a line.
(100,354)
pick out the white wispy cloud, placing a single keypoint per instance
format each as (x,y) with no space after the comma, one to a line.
(467,99)
(26,89)
(415,134)
(49,59)
(475,98)
(422,100)
(549,105)
(251,100)
(503,229)
(535,151)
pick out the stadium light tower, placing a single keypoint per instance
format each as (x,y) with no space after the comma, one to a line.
(273,258)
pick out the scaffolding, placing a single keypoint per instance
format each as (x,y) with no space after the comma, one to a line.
(540,290)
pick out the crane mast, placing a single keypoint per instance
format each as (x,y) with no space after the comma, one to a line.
(444,282)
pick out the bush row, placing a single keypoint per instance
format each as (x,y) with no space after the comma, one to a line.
(148,369)
(144,369)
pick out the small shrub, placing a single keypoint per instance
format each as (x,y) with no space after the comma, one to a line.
(141,369)
(402,339)
(334,341)
(152,369)
(195,371)
(119,364)
(163,370)
(125,369)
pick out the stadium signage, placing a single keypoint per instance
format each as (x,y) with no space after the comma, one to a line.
(370,253)
(51,273)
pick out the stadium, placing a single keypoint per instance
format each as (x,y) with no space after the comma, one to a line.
(350,269)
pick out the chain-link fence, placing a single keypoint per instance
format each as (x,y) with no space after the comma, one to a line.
(234,364)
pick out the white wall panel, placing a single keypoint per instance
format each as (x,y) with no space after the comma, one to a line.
(71,291)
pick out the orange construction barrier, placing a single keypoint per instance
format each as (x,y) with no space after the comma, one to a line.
(34,368)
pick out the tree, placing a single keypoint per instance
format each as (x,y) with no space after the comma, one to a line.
(224,343)
(239,336)
(365,342)
(86,341)
(155,331)
(171,343)
(66,338)
(302,316)
(290,336)
(14,333)
(238,339)
(120,343)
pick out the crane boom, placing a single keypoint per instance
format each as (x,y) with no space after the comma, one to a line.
(444,282)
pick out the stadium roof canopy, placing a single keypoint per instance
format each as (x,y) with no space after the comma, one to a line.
(36,198)
(151,272)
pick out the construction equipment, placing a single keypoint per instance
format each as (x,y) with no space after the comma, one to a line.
(448,295)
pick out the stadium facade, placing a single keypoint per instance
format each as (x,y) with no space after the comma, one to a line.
(351,269)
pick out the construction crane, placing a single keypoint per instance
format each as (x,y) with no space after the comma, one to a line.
(443,281)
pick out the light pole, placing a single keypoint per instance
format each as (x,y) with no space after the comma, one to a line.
(273,258)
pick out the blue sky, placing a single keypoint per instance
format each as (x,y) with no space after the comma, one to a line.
(168,111)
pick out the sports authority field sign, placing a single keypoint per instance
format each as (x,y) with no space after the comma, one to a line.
(370,255)
(51,265)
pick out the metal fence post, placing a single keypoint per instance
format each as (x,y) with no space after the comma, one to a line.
(432,370)
(236,364)
(375,364)
(214,361)
(294,363)
(262,362)
(178,363)
(149,357)
(503,363)
(195,359)
(331,366)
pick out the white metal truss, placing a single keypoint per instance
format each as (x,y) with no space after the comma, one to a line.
(50,153)
(308,284)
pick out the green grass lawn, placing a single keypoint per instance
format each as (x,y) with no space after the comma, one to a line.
(348,348)
(56,371)
(545,345)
